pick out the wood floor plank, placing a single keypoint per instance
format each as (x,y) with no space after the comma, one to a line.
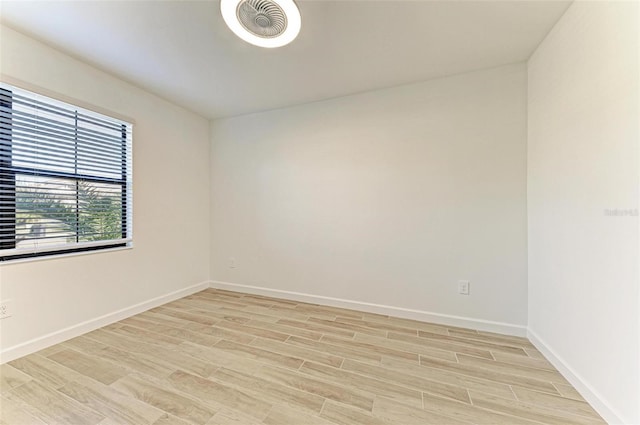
(568,391)
(576,407)
(87,391)
(165,399)
(255,331)
(50,350)
(213,311)
(490,346)
(301,353)
(42,370)
(436,353)
(131,361)
(205,389)
(185,315)
(291,313)
(261,299)
(246,313)
(323,388)
(93,367)
(316,327)
(166,356)
(180,334)
(348,326)
(147,336)
(110,403)
(322,309)
(287,330)
(285,416)
(446,377)
(529,411)
(346,415)
(222,293)
(373,348)
(274,314)
(399,413)
(240,302)
(414,381)
(338,350)
(169,320)
(411,324)
(490,337)
(13,413)
(516,340)
(218,295)
(523,361)
(53,407)
(513,369)
(534,353)
(222,333)
(218,302)
(378,325)
(470,413)
(255,353)
(168,419)
(269,391)
(442,345)
(219,357)
(109,421)
(99,397)
(489,375)
(375,386)
(232,417)
(10,377)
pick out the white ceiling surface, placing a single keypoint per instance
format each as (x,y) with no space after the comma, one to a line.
(182,50)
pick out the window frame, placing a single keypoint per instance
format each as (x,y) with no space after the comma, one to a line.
(9,174)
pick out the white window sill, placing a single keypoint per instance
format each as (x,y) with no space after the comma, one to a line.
(67,255)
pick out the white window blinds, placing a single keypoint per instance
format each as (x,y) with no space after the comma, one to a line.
(65,177)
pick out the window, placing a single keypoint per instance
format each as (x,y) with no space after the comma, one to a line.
(65,177)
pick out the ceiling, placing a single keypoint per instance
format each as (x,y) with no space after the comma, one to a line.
(182,50)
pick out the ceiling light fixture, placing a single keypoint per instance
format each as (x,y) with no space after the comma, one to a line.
(264,23)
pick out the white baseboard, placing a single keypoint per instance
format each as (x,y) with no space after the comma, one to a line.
(405,313)
(590,395)
(36,344)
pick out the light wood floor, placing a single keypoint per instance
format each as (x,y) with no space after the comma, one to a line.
(224,358)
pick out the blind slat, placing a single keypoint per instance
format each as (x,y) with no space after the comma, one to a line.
(33,134)
(8,114)
(37,102)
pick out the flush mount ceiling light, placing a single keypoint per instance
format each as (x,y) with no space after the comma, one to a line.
(264,23)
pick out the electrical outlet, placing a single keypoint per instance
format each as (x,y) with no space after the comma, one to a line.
(232,262)
(5,309)
(463,287)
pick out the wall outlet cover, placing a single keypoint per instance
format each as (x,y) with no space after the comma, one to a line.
(5,309)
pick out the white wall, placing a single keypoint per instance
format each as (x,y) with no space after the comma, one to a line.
(171,208)
(583,159)
(387,197)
